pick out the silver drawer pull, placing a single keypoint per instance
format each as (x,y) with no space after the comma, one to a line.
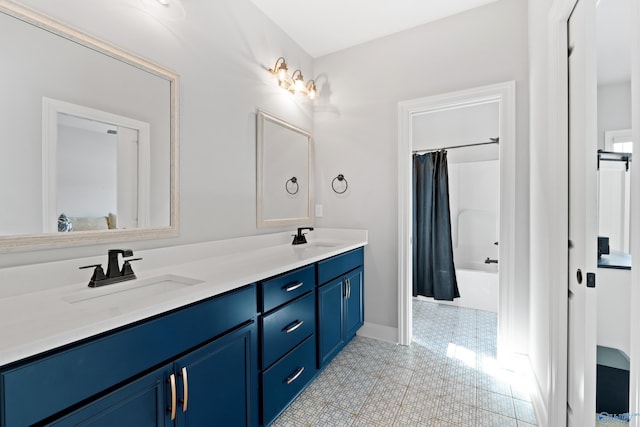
(295,375)
(293,326)
(293,286)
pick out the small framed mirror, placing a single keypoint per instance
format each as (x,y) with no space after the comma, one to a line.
(284,175)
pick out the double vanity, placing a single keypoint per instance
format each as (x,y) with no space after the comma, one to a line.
(228,334)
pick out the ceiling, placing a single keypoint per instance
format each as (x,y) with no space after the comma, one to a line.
(323,27)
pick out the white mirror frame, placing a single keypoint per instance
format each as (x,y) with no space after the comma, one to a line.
(12,243)
(261,221)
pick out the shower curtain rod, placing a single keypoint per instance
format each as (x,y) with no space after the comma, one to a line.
(491,141)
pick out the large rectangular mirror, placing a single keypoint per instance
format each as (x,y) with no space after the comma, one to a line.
(283,173)
(88,138)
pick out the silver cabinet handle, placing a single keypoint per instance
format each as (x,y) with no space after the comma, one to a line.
(348,288)
(293,326)
(293,286)
(172,384)
(295,375)
(185,389)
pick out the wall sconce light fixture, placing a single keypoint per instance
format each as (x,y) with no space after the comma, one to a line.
(294,83)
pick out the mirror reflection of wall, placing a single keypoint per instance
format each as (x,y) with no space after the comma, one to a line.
(97,174)
(283,173)
(285,158)
(614,121)
(96,169)
(48,65)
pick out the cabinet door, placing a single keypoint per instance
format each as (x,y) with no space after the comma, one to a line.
(330,320)
(217,384)
(141,403)
(354,303)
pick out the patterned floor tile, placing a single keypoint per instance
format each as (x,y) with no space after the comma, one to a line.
(491,419)
(493,384)
(460,391)
(494,402)
(322,390)
(305,408)
(456,412)
(519,390)
(396,374)
(379,410)
(286,421)
(448,377)
(348,398)
(524,411)
(335,417)
(389,391)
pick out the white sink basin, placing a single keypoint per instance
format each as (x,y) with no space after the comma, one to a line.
(115,295)
(318,245)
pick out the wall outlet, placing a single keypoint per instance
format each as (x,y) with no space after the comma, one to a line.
(318,211)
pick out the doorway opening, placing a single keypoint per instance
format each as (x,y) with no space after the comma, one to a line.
(410,113)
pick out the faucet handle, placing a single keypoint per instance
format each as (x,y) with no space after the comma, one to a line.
(98,274)
(126,267)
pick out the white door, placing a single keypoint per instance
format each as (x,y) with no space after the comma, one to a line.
(583,224)
(128,179)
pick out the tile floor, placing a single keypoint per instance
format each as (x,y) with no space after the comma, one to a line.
(447,377)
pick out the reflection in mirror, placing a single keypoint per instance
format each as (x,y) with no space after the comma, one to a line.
(614,122)
(283,173)
(43,161)
(614,170)
(98,170)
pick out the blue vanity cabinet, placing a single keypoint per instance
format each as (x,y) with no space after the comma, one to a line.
(213,384)
(287,339)
(340,302)
(217,384)
(126,374)
(140,403)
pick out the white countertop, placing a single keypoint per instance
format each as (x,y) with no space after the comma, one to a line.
(35,322)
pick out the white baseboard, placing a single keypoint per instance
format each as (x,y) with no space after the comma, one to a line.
(537,399)
(379,332)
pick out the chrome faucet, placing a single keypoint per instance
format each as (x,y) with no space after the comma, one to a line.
(300,239)
(114,274)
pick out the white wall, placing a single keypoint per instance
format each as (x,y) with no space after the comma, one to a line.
(221,50)
(356,130)
(86,188)
(614,109)
(456,126)
(614,310)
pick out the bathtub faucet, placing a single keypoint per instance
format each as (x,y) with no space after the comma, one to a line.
(490,261)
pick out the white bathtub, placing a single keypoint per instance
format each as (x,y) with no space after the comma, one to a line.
(478,288)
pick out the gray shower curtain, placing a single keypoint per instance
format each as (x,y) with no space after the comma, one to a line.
(434,273)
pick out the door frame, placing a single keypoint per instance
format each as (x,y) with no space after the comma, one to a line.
(558,128)
(557,76)
(505,94)
(634,374)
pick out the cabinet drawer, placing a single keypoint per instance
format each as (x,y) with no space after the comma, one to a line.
(284,380)
(283,288)
(286,327)
(339,264)
(39,389)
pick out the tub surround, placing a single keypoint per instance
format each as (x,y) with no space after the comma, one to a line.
(38,319)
